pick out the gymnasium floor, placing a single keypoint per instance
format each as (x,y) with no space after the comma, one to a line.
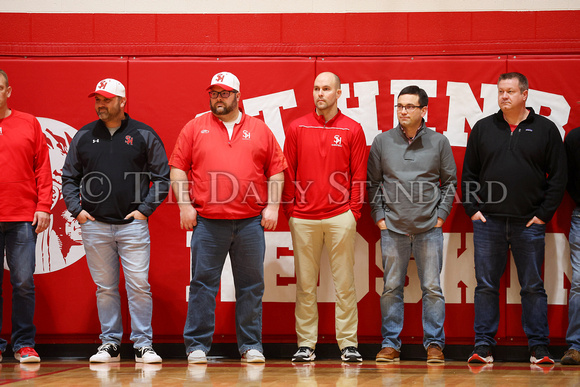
(231,372)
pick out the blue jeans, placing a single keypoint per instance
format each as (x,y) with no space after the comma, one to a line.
(211,241)
(492,241)
(573,334)
(108,246)
(18,239)
(427,248)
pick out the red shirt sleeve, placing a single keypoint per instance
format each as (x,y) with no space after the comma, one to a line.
(181,158)
(358,170)
(277,161)
(42,170)
(289,191)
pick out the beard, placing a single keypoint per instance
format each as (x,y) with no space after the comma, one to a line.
(111,112)
(225,109)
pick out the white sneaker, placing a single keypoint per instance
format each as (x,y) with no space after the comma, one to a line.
(106,353)
(197,357)
(147,355)
(253,356)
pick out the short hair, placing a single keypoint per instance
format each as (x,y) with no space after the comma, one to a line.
(416,90)
(3,73)
(522,80)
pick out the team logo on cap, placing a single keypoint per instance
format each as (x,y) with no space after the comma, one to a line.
(219,78)
(102,84)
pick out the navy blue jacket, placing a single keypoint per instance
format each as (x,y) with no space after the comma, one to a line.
(111,176)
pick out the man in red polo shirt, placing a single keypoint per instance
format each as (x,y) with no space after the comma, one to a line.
(323,196)
(236,168)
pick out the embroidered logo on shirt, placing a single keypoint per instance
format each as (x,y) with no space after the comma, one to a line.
(95,140)
(246,135)
(337,141)
(205,131)
(128,140)
(529,130)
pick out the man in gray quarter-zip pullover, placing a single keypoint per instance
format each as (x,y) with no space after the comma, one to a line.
(412,180)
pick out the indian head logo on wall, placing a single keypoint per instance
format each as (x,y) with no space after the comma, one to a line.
(61,244)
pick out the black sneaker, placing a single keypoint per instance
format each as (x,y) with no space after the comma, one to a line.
(481,354)
(146,355)
(106,353)
(304,354)
(350,354)
(539,354)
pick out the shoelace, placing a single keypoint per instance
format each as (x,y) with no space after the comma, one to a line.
(105,347)
(27,351)
(144,350)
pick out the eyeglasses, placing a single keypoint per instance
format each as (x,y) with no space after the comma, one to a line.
(223,93)
(408,108)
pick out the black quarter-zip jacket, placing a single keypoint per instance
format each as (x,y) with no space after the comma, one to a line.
(519,174)
(111,176)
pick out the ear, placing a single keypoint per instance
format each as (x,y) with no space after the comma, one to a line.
(525,94)
(123,101)
(338,93)
(424,111)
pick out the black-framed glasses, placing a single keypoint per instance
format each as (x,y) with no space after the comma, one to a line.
(408,108)
(223,93)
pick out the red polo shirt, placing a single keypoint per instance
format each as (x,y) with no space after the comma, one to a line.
(228,177)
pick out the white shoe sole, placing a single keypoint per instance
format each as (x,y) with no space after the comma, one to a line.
(94,359)
(30,359)
(150,361)
(254,360)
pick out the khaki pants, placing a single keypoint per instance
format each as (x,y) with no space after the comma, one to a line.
(308,236)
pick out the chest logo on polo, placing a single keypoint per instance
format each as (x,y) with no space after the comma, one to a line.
(95,140)
(205,131)
(245,135)
(337,141)
(128,140)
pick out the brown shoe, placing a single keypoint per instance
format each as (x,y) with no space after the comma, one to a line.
(388,354)
(571,357)
(435,354)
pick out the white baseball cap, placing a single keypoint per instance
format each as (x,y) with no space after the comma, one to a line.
(109,88)
(227,81)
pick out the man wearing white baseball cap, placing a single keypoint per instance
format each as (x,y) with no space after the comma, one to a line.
(237,175)
(109,88)
(112,161)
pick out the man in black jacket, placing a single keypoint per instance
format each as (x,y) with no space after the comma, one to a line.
(572,144)
(114,177)
(514,177)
